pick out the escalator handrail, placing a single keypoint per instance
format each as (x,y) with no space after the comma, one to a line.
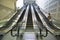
(40,29)
(18,28)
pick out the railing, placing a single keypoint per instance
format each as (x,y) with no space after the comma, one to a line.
(18,29)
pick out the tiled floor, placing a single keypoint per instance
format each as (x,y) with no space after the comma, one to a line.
(30,36)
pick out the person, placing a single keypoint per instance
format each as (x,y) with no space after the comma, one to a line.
(49,18)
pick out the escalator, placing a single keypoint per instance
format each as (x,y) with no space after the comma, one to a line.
(19,19)
(8,26)
(38,19)
(32,16)
(47,22)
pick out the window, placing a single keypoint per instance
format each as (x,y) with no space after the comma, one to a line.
(19,3)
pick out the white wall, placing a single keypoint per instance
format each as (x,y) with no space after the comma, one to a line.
(29,1)
(19,3)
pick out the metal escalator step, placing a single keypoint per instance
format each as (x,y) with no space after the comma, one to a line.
(29,25)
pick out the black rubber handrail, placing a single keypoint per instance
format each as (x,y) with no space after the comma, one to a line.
(41,29)
(18,29)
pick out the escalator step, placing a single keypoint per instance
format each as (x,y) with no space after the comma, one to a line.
(29,24)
